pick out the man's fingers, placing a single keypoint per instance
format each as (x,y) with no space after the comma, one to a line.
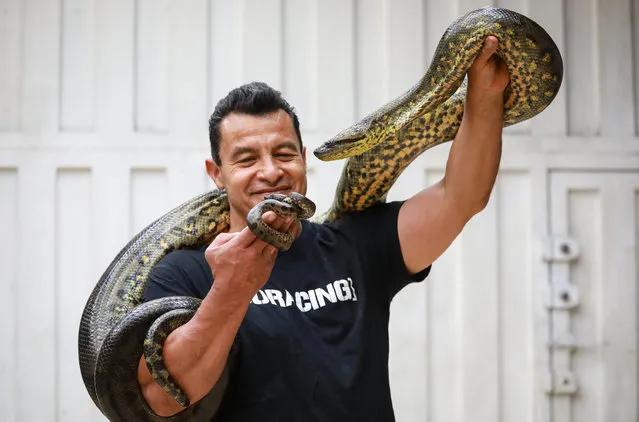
(223,238)
(269,250)
(244,238)
(277,222)
(489,48)
(295,229)
(269,217)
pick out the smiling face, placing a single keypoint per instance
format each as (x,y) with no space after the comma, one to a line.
(258,155)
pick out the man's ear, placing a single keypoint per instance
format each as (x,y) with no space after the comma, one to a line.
(304,155)
(214,172)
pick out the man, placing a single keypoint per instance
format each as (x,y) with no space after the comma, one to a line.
(304,332)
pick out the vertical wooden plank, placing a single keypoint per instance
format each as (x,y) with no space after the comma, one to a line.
(300,82)
(74,263)
(406,46)
(516,301)
(437,17)
(581,68)
(36,344)
(148,197)
(615,63)
(520,6)
(408,353)
(540,280)
(446,337)
(41,64)
(615,275)
(550,15)
(634,5)
(465,6)
(77,79)
(188,67)
(585,224)
(152,66)
(115,41)
(409,330)
(480,321)
(373,48)
(112,210)
(9,258)
(336,52)
(263,41)
(227,46)
(184,178)
(11,41)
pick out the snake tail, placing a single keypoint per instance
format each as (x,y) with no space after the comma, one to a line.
(153,351)
(116,381)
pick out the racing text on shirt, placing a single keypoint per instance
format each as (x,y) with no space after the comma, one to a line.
(337,291)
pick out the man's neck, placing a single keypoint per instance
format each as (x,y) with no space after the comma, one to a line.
(237,222)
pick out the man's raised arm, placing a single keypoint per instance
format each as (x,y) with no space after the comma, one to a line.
(433,218)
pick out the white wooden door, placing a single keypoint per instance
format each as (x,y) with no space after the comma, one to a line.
(593,274)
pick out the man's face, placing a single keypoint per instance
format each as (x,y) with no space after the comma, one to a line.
(259,155)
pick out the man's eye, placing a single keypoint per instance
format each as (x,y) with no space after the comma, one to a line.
(246,160)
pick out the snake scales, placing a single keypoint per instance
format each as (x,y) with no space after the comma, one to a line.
(116,328)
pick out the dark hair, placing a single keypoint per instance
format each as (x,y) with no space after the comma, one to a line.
(255,98)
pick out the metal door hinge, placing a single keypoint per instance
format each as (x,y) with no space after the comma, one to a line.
(563,295)
(561,249)
(562,384)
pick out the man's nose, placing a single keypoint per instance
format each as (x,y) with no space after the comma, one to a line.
(270,170)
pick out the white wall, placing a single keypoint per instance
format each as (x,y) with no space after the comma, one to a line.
(103,126)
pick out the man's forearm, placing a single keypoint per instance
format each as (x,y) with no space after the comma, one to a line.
(196,353)
(475,154)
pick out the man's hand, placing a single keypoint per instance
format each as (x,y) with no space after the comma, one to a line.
(488,75)
(440,212)
(197,352)
(244,260)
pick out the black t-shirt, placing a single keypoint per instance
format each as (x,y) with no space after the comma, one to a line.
(313,345)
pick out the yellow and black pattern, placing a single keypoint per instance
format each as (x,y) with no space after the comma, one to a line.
(295,204)
(383,144)
(116,328)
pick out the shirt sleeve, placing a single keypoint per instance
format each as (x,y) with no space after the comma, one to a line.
(180,273)
(375,234)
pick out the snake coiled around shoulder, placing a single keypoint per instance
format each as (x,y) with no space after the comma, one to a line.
(116,327)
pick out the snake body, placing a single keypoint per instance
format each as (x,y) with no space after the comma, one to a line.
(295,205)
(116,328)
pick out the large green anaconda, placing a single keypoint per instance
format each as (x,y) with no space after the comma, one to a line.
(115,324)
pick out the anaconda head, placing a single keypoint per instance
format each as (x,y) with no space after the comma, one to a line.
(382,124)
(347,143)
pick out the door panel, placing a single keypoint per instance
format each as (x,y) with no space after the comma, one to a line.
(593,296)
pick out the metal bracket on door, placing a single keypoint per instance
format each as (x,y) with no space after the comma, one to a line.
(561,249)
(562,384)
(563,295)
